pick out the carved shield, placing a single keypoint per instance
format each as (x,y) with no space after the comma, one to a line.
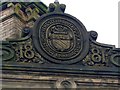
(62,42)
(60,37)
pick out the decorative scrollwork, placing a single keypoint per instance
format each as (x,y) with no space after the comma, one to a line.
(6,53)
(97,56)
(25,52)
(93,35)
(115,57)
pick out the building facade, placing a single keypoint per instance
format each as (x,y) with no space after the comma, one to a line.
(54,50)
(16,15)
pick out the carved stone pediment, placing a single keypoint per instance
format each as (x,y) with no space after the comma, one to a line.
(60,43)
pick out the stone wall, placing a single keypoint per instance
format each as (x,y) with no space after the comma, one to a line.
(59,81)
(15,16)
(11,28)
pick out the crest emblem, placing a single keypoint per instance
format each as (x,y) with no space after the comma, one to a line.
(60,38)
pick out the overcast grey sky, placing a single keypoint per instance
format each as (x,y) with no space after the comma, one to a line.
(97,15)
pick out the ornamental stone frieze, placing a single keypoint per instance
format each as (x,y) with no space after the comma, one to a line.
(60,49)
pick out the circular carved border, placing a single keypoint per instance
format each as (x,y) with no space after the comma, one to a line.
(73,34)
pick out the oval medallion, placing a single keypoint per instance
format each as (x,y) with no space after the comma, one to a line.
(60,38)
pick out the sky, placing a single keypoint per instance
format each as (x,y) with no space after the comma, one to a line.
(98,15)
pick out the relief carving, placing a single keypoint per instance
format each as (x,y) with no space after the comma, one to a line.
(61,40)
(66,85)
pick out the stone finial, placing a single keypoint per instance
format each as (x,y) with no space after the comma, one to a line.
(56,7)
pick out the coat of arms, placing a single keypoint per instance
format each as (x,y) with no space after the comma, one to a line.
(60,38)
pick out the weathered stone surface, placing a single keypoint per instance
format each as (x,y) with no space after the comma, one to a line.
(15,16)
(56,81)
(59,53)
